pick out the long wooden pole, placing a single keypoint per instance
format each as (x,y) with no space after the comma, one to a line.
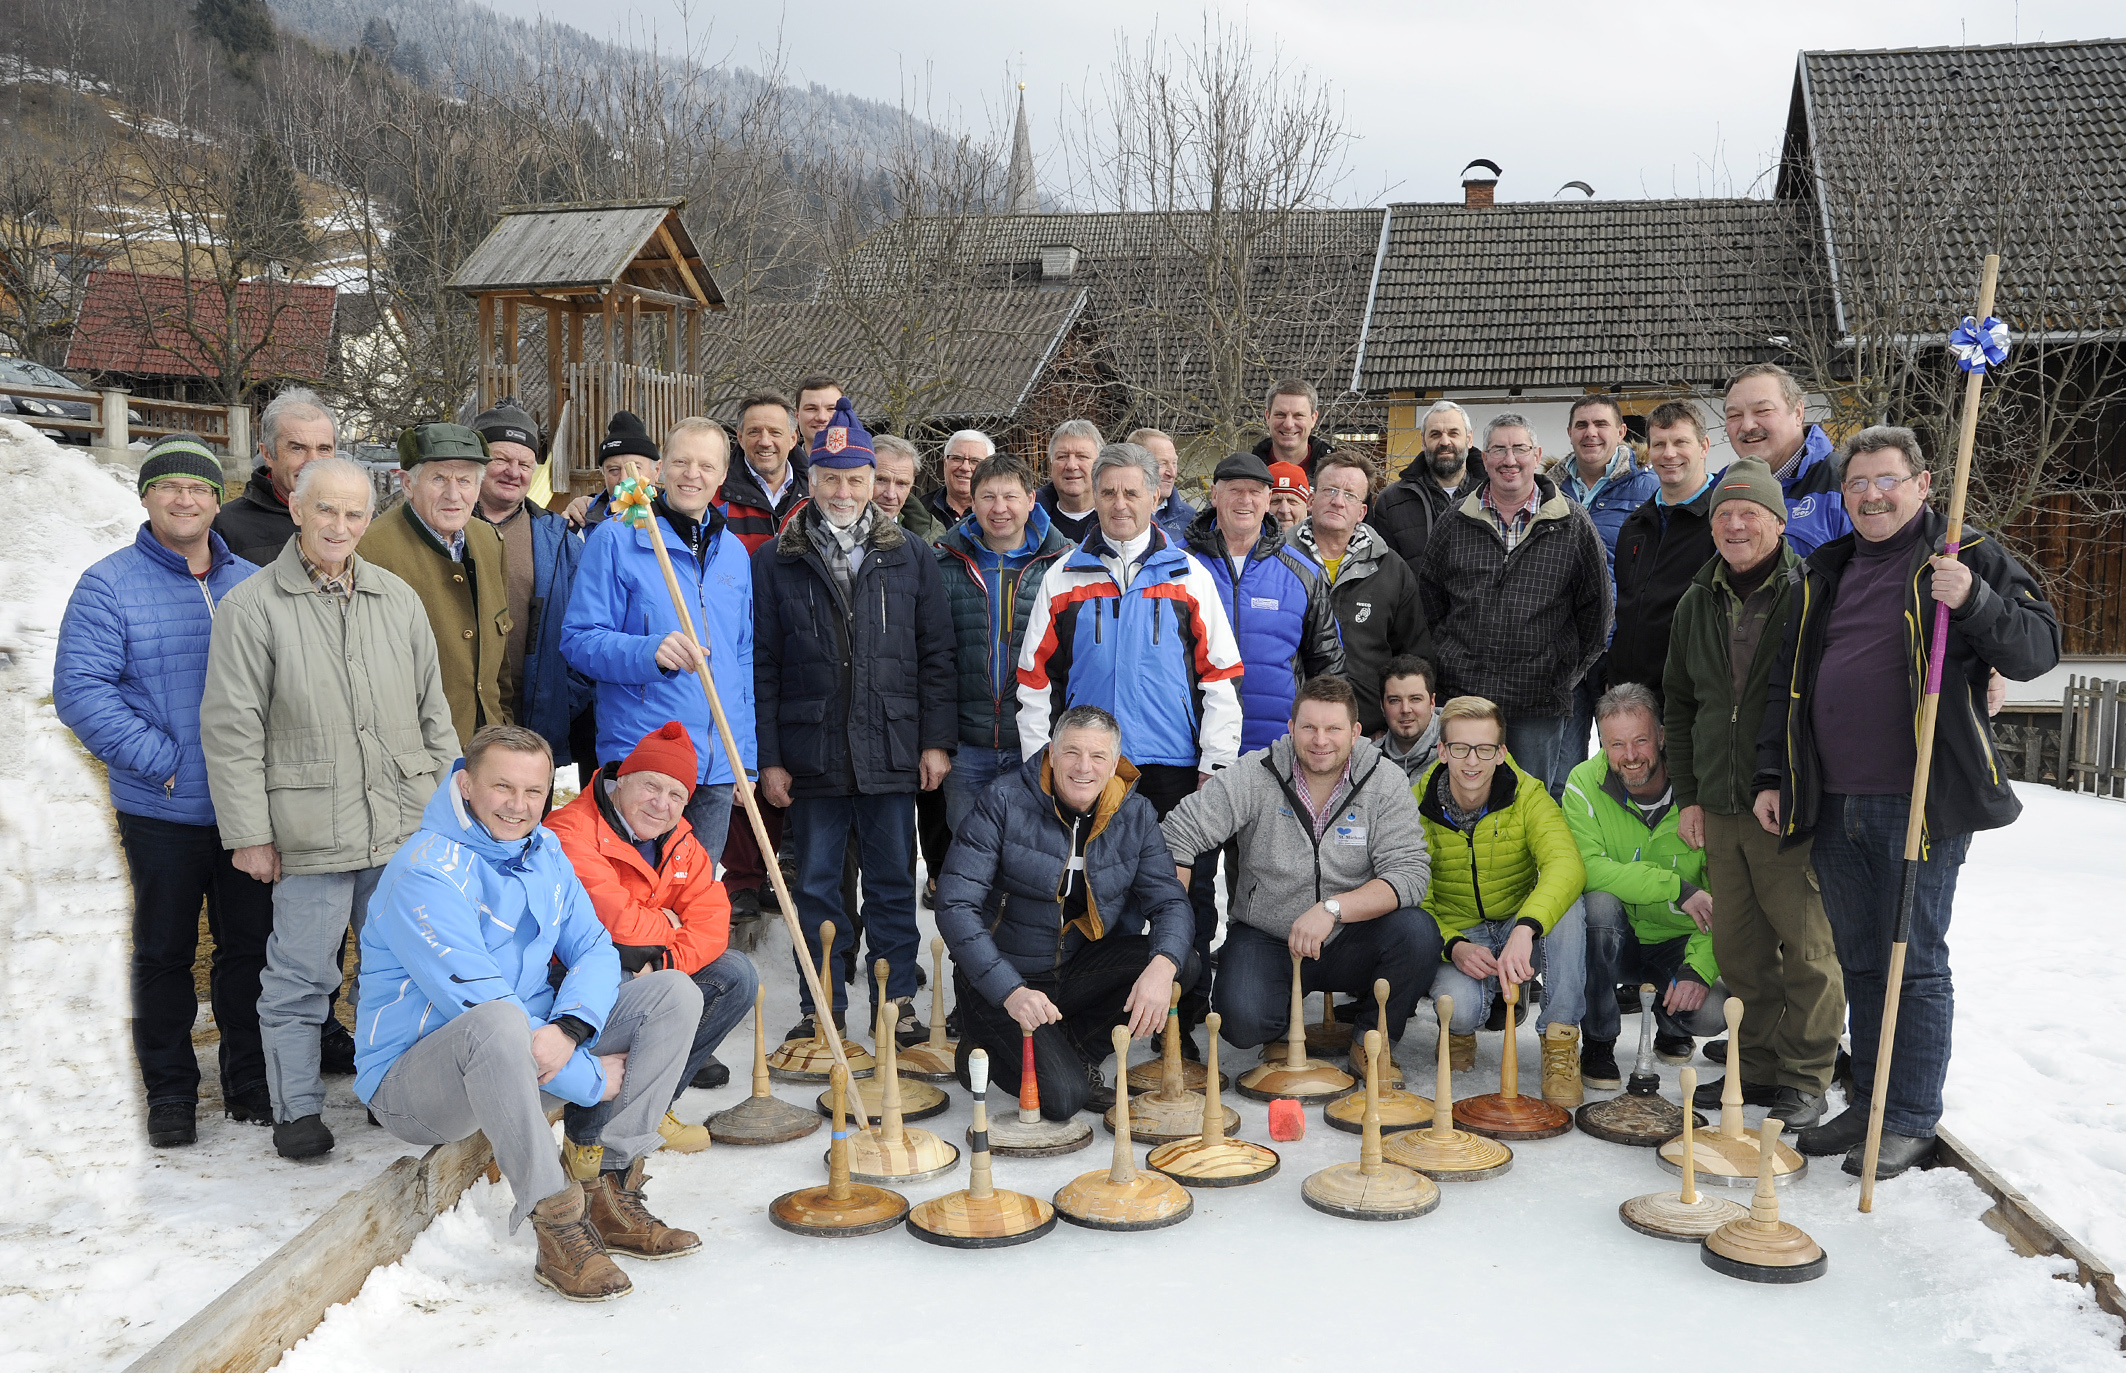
(1916,822)
(822,1004)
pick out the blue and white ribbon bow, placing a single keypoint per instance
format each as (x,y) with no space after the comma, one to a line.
(1979,346)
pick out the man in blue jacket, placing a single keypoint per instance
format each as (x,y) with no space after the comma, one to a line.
(539,558)
(1764,421)
(462,1028)
(853,676)
(1038,879)
(623,632)
(132,666)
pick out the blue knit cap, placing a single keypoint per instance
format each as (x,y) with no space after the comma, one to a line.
(844,442)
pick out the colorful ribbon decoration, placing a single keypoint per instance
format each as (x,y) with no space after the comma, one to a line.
(1979,346)
(631,502)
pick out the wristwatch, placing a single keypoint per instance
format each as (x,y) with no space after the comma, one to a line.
(1335,909)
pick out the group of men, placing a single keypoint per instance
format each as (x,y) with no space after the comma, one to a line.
(1078,699)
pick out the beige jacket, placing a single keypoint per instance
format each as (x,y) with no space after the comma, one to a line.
(325,729)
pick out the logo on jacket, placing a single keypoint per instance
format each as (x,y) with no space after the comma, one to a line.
(837,439)
(1262,602)
(1365,613)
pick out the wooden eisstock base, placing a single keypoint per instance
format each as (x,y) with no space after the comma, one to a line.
(841,1208)
(807,1060)
(1506,1114)
(1371,1189)
(1761,1247)
(1442,1152)
(1689,1215)
(1169,1110)
(1391,1072)
(1120,1196)
(1641,1116)
(1728,1157)
(933,1060)
(761,1118)
(1329,1035)
(1398,1109)
(1211,1158)
(867,1100)
(892,1152)
(1026,1134)
(981,1215)
(1295,1075)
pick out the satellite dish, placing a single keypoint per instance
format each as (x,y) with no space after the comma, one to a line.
(1582,187)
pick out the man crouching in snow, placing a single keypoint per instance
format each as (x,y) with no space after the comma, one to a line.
(461,1027)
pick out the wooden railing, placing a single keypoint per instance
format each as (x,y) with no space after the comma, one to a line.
(2092,744)
(594,390)
(110,426)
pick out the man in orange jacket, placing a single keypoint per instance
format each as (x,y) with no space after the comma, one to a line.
(655,889)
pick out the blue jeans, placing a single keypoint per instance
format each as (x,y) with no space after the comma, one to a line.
(1859,857)
(885,837)
(1560,956)
(709,812)
(1538,744)
(1254,992)
(973,769)
(727,985)
(1615,954)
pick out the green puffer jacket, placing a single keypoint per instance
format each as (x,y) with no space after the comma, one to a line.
(1660,871)
(1520,863)
(1714,705)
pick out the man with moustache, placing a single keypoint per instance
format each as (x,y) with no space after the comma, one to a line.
(1431,484)
(1764,421)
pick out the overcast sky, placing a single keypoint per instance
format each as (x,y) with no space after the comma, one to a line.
(1638,99)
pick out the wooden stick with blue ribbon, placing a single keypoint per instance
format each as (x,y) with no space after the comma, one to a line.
(1977,343)
(632,505)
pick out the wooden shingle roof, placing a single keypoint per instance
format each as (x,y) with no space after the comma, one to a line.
(1954,152)
(581,247)
(1657,292)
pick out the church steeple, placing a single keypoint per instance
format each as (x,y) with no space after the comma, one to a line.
(1021,195)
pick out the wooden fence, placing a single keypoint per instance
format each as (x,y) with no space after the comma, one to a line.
(2092,743)
(592,391)
(112,425)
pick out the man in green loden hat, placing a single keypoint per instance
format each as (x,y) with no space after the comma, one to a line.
(456,565)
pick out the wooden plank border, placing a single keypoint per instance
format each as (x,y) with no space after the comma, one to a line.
(2028,1230)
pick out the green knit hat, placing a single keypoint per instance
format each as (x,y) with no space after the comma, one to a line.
(1748,479)
(182,455)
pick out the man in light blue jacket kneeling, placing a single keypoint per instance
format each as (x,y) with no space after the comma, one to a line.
(461,1027)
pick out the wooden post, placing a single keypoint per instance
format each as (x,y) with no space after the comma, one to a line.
(553,383)
(487,350)
(116,435)
(240,436)
(509,340)
(2064,781)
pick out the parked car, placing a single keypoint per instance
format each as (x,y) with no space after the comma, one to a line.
(21,372)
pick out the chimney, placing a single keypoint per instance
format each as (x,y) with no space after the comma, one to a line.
(1058,261)
(1477,187)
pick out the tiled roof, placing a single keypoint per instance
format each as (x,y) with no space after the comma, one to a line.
(142,325)
(976,361)
(1306,290)
(1955,152)
(1575,294)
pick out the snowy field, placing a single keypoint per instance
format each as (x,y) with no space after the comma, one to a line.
(109,1245)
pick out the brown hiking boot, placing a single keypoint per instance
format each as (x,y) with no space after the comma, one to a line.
(1561,1066)
(615,1209)
(572,1260)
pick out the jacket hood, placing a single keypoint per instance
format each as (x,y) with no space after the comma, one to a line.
(794,539)
(218,554)
(1551,503)
(1361,556)
(1505,785)
(446,814)
(1203,536)
(1036,774)
(965,538)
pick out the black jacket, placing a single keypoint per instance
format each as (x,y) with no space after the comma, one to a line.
(752,516)
(2006,624)
(1316,451)
(256,525)
(1375,595)
(999,895)
(1660,549)
(1405,512)
(848,692)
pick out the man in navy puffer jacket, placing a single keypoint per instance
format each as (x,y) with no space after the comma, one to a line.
(1035,884)
(132,666)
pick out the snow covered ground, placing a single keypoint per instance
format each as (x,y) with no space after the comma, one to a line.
(106,1246)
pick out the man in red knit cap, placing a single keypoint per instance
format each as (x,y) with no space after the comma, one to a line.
(655,889)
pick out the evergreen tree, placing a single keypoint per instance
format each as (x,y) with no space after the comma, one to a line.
(268,222)
(243,27)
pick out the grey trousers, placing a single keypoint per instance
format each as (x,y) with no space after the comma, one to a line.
(310,913)
(476,1073)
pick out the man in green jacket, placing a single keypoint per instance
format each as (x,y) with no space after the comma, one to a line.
(1648,914)
(1505,891)
(326,728)
(1769,930)
(456,565)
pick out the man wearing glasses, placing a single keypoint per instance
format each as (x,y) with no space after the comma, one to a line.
(1837,755)
(1371,587)
(1515,585)
(964,452)
(1506,882)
